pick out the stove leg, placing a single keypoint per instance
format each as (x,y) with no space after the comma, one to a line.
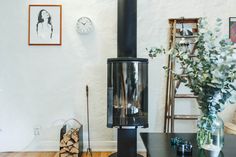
(127,143)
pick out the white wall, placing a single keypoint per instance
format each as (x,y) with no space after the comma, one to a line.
(41,86)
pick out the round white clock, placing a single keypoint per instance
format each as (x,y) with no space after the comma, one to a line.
(84,25)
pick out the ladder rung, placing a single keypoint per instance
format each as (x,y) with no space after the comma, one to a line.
(183,75)
(186,117)
(194,30)
(188,56)
(185,96)
(190,36)
(185,20)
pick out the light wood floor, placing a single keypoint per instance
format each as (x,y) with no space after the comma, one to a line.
(49,154)
(54,154)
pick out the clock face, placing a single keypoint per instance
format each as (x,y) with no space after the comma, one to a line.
(84,25)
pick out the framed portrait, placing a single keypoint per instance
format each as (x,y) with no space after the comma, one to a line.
(45,25)
(232,29)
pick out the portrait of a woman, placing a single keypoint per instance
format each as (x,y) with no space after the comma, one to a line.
(44,27)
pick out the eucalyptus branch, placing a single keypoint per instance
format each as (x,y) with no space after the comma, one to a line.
(211,74)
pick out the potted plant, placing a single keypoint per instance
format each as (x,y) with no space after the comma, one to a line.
(211,77)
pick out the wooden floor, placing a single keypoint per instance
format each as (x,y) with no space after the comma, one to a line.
(54,154)
(49,154)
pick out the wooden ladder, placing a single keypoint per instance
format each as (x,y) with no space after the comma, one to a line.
(171,84)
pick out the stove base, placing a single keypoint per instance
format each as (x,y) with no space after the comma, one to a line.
(115,155)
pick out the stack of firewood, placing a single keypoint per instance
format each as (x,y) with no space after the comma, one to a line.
(69,144)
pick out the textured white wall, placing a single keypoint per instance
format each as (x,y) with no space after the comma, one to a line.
(41,86)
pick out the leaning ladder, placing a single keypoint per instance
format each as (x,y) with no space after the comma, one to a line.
(171,84)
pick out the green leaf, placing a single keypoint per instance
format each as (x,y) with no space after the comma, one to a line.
(232,86)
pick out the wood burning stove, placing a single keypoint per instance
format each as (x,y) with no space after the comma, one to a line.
(127,92)
(127,83)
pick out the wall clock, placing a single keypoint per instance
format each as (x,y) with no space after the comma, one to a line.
(84,25)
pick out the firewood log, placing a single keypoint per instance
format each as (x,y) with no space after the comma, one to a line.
(63,150)
(66,138)
(69,143)
(62,143)
(74,150)
(75,137)
(76,145)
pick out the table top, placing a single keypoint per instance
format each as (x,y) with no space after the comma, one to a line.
(158,145)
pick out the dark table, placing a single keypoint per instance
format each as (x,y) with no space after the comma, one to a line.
(158,145)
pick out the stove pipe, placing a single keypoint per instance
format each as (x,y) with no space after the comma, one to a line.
(127,28)
(127,79)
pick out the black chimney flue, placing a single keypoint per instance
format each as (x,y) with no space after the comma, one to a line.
(127,28)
